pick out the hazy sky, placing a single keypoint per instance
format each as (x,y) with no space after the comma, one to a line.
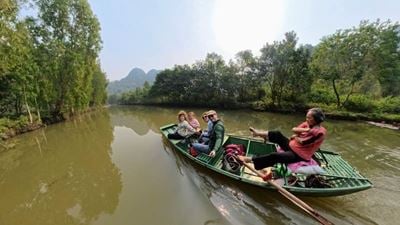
(161,33)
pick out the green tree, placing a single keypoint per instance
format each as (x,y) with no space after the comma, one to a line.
(99,84)
(17,66)
(70,40)
(173,85)
(49,61)
(113,99)
(335,61)
(349,57)
(214,81)
(246,71)
(383,54)
(285,70)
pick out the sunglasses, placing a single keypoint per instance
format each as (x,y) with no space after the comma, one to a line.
(210,116)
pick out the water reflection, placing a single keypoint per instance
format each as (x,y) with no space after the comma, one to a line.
(114,167)
(141,119)
(168,149)
(60,175)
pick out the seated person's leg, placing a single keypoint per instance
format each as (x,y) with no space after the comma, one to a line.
(259,133)
(175,136)
(204,139)
(278,138)
(273,158)
(201,148)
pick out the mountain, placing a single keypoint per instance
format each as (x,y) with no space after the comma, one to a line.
(133,80)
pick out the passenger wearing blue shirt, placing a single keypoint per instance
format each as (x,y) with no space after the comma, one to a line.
(205,135)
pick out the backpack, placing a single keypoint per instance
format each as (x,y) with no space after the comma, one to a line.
(229,161)
(235,149)
(311,181)
(315,181)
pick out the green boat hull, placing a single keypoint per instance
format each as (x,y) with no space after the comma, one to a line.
(342,178)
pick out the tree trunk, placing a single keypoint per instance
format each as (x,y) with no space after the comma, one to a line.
(38,111)
(27,108)
(338,105)
(17,106)
(348,95)
(273,93)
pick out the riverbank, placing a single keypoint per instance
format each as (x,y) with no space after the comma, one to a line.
(10,128)
(331,113)
(379,118)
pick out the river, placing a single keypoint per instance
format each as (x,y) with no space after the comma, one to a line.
(114,167)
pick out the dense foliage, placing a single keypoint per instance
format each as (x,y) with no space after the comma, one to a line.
(363,61)
(356,69)
(49,65)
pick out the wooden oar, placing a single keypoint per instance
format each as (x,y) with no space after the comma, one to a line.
(291,197)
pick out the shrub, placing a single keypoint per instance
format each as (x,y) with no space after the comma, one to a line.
(5,122)
(321,96)
(360,103)
(21,122)
(325,107)
(258,105)
(389,105)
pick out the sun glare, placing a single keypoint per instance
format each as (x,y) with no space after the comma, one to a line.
(246,24)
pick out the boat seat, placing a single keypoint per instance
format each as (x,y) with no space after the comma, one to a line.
(204,157)
(175,142)
(210,160)
(338,167)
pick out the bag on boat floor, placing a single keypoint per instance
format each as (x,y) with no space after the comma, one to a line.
(316,182)
(235,149)
(229,161)
(230,164)
(311,181)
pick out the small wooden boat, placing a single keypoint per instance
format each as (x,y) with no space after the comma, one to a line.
(342,178)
